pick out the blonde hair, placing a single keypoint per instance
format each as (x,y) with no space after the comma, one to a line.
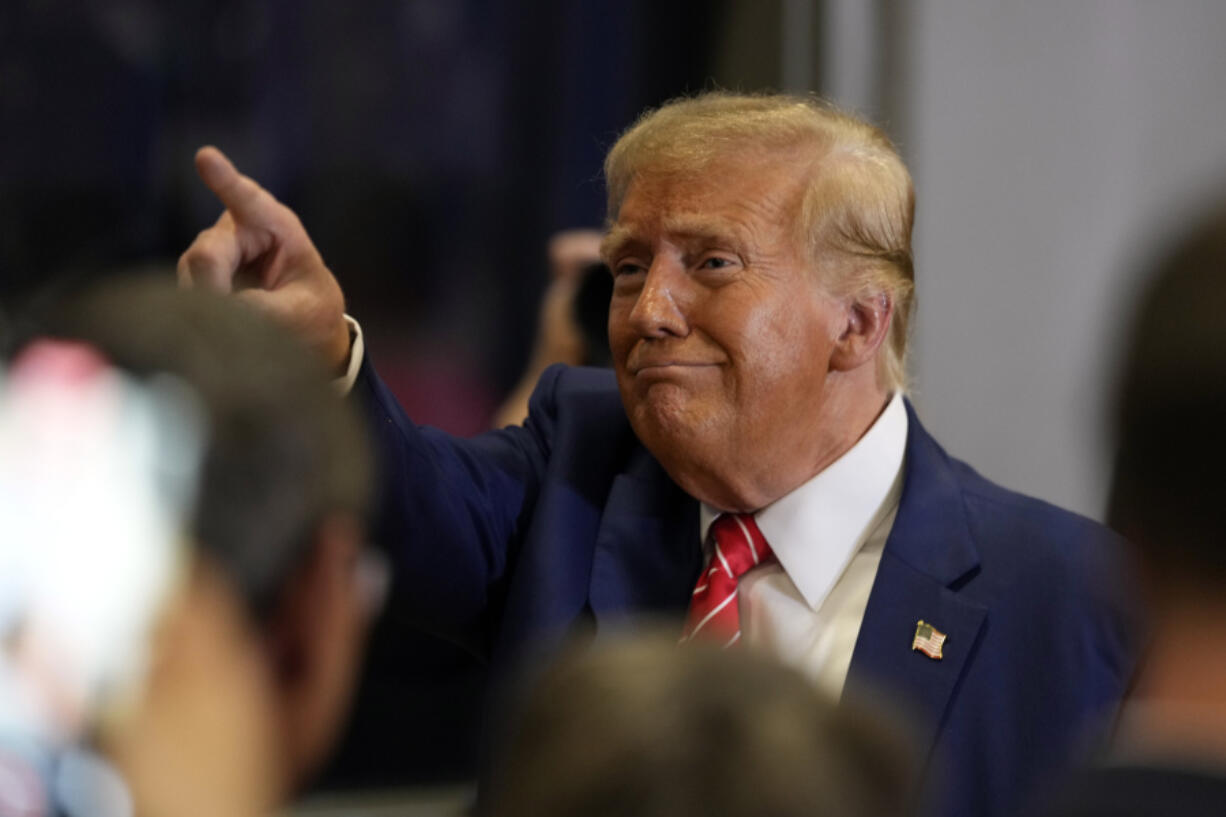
(859,202)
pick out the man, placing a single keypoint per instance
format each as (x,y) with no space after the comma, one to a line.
(190,516)
(1168,755)
(760,248)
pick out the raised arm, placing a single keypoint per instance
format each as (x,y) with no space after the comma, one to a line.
(450,511)
(259,250)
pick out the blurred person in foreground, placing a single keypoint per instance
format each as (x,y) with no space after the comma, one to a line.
(185,519)
(1168,754)
(751,466)
(639,727)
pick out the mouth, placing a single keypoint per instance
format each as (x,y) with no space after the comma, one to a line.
(669,368)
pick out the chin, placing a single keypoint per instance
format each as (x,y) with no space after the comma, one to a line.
(689,445)
(667,422)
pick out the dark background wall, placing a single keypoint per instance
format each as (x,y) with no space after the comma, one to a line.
(430,146)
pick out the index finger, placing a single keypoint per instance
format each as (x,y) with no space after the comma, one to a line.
(241,195)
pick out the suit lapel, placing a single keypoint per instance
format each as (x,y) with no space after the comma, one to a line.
(928,554)
(647,553)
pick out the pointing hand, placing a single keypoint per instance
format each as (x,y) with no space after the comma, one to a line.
(259,250)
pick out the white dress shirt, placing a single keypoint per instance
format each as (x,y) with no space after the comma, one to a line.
(828,536)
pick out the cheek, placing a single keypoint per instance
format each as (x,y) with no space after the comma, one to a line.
(785,352)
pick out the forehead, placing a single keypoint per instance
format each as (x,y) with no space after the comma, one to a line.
(751,196)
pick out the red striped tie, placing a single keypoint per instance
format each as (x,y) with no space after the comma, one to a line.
(737,547)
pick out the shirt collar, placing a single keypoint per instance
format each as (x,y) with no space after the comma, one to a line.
(816,528)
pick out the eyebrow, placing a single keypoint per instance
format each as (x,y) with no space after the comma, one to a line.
(686,226)
(614,241)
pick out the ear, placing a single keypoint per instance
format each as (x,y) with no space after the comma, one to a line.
(868,319)
(317,635)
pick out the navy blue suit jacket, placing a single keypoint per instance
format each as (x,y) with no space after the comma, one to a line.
(518,537)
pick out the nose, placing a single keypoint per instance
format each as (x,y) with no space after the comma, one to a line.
(660,309)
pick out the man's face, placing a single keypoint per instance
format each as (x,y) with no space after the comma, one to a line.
(721,332)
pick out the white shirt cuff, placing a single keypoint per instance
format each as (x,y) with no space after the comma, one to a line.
(344,383)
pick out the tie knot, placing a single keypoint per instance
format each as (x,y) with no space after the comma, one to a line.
(738,544)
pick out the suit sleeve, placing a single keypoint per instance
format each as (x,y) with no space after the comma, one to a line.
(450,512)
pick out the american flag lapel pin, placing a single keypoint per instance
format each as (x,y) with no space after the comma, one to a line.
(928,640)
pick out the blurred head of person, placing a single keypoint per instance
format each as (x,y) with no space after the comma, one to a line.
(1167,499)
(1169,485)
(257,608)
(642,727)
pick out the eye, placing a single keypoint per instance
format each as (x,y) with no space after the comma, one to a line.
(623,268)
(717,262)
